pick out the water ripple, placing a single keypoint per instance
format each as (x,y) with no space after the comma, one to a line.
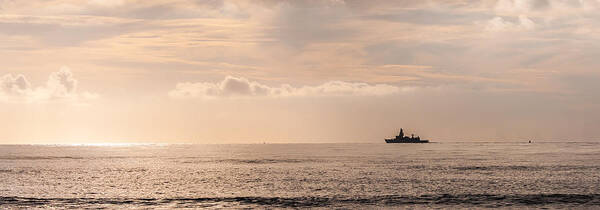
(485,200)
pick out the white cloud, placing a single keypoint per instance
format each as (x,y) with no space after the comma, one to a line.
(61,85)
(242,87)
(500,24)
(106,3)
(14,85)
(526,23)
(521,5)
(546,8)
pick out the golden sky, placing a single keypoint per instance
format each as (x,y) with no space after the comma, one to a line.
(118,71)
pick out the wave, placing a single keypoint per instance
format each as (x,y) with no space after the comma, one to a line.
(484,200)
(38,157)
(525,168)
(68,157)
(266,161)
(249,161)
(177,159)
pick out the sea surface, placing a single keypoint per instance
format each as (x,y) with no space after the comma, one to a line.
(435,175)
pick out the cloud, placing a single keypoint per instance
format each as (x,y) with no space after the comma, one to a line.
(547,7)
(14,85)
(106,3)
(521,5)
(298,24)
(69,30)
(500,24)
(242,87)
(526,23)
(61,85)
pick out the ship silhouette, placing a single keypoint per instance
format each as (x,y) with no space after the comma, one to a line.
(400,138)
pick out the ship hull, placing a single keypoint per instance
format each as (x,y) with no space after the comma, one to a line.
(405,141)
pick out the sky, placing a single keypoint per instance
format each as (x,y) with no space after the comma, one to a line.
(212,71)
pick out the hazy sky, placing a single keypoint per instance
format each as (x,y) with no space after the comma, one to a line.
(298,71)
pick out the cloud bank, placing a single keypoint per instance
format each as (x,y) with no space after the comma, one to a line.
(61,85)
(242,87)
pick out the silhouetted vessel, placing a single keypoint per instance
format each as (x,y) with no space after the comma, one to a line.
(400,138)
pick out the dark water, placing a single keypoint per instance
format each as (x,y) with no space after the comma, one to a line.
(436,175)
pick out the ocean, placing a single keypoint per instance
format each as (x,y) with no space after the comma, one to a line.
(379,175)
